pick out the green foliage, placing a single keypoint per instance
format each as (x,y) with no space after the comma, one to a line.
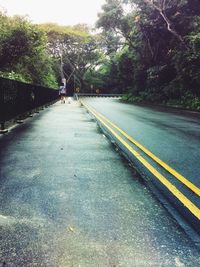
(23,52)
(148,50)
(77,48)
(110,18)
(159,57)
(13,76)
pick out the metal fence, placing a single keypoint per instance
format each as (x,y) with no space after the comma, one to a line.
(17,98)
(78,95)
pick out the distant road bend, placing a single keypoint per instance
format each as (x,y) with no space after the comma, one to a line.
(164,146)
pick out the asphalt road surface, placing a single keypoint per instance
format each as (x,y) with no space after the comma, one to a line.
(172,136)
(68,199)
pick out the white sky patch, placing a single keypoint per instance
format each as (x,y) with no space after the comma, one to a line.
(63,12)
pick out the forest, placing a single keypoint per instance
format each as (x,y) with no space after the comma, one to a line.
(148,50)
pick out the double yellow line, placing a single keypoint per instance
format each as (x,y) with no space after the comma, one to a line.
(182,198)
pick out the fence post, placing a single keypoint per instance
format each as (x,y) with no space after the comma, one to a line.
(2,128)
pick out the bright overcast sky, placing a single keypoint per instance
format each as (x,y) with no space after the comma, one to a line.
(63,12)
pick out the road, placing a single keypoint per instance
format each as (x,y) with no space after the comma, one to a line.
(173,137)
(68,199)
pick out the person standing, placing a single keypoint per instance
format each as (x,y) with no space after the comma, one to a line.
(62,93)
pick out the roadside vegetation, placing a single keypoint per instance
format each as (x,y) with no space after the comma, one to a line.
(149,50)
(156,57)
(23,53)
(35,53)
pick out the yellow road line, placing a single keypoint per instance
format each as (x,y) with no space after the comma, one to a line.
(181,178)
(182,198)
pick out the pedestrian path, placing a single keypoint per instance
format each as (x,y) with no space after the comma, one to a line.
(68,199)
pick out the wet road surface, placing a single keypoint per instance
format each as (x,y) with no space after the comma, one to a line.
(173,138)
(68,199)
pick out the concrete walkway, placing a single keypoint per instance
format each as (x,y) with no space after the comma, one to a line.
(68,199)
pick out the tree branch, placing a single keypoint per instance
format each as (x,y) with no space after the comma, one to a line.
(161,9)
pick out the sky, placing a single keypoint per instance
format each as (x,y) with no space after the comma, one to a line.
(63,12)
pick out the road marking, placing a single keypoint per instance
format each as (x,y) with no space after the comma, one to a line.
(181,178)
(182,198)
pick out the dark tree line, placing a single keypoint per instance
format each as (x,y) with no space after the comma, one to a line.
(35,53)
(153,50)
(147,49)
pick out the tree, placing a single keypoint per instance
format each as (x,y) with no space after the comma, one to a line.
(75,47)
(158,59)
(23,52)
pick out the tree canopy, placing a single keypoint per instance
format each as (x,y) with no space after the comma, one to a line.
(158,59)
(36,53)
(23,53)
(147,49)
(75,48)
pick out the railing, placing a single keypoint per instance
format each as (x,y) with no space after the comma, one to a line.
(17,98)
(77,95)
